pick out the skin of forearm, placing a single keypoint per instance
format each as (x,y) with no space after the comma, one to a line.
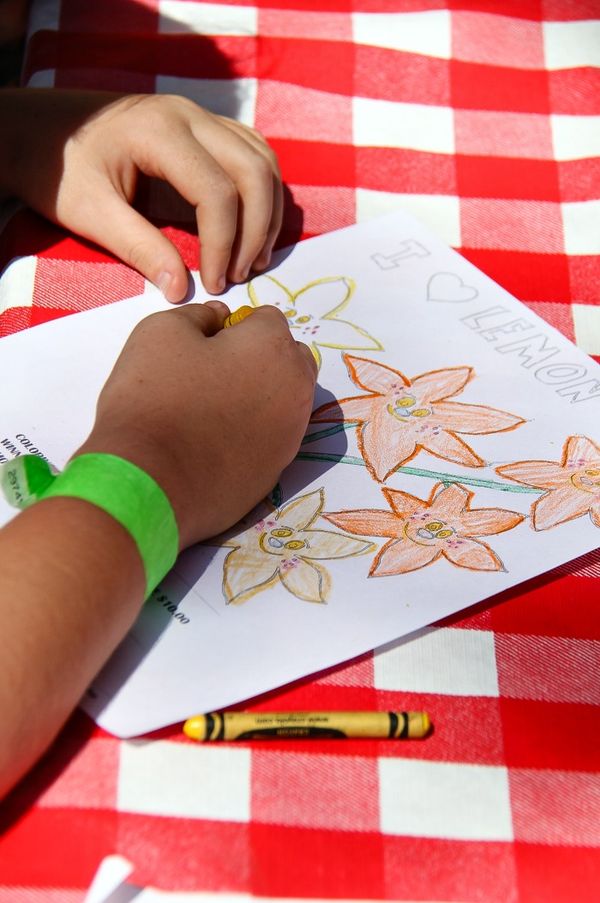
(71,584)
(71,579)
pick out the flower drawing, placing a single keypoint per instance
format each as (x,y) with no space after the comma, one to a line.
(401,416)
(283,547)
(312,312)
(572,484)
(421,531)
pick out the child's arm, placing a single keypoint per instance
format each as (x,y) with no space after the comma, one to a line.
(213,416)
(75,157)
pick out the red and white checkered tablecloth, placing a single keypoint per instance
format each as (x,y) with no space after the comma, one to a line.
(482,117)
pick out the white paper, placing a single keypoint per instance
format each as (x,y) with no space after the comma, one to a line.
(456,338)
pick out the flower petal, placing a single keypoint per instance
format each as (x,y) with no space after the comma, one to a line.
(595,514)
(316,354)
(488,521)
(366,522)
(309,582)
(385,444)
(403,504)
(325,296)
(542,474)
(345,410)
(402,556)
(449,447)
(267,290)
(247,530)
(302,511)
(475,419)
(474,555)
(579,451)
(449,502)
(437,384)
(558,506)
(334,333)
(246,572)
(373,376)
(325,544)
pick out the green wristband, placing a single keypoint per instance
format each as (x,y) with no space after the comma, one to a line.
(117,486)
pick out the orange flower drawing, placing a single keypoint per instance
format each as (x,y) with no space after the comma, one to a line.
(420,532)
(573,484)
(400,416)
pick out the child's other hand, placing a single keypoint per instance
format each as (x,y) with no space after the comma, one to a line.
(214,415)
(75,156)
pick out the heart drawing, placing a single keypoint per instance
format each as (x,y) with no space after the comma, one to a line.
(449,287)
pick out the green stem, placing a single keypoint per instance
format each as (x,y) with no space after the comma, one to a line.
(430,474)
(322,434)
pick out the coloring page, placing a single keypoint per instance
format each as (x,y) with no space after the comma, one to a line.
(453,452)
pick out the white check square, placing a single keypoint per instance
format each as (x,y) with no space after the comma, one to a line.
(442,799)
(570,45)
(186,780)
(586,321)
(575,137)
(440,212)
(234,97)
(445,660)
(427,33)
(581,222)
(177,16)
(16,286)
(386,123)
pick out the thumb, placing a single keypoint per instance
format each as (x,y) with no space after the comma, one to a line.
(127,234)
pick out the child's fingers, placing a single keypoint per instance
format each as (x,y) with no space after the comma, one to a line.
(269,327)
(120,229)
(309,358)
(208,317)
(251,166)
(263,258)
(222,309)
(253,137)
(189,167)
(255,184)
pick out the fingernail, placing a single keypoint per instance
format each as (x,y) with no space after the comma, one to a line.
(164,282)
(221,283)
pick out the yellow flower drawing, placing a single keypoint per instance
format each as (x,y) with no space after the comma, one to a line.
(283,547)
(312,312)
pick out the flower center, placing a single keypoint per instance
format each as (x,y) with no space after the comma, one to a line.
(306,323)
(405,406)
(587,480)
(280,541)
(430,533)
(294,544)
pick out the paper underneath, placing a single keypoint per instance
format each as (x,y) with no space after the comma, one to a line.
(477,396)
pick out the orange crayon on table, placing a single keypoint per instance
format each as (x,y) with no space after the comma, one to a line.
(238,315)
(301,725)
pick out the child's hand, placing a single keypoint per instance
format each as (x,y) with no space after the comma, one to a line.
(75,157)
(214,415)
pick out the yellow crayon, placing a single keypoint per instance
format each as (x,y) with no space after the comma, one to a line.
(301,725)
(238,315)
